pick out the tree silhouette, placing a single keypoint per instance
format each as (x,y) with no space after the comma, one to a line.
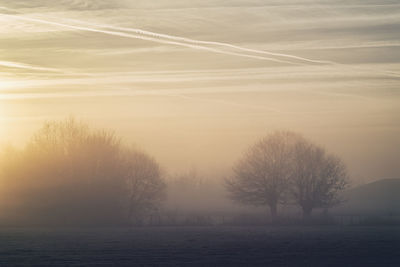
(145,187)
(70,173)
(262,176)
(318,178)
(284,167)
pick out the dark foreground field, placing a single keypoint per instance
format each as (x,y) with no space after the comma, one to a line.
(202,246)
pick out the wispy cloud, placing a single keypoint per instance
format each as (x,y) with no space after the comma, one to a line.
(200,42)
(18,65)
(210,46)
(146,38)
(175,40)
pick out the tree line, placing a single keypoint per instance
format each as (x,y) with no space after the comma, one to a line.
(70,173)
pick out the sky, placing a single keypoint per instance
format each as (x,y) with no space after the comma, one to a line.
(195,83)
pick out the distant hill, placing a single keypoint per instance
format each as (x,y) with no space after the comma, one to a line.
(377,198)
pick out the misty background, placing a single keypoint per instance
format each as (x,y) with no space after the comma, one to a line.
(121,121)
(196,105)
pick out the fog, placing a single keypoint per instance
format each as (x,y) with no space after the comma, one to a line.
(194,86)
(199,133)
(72,173)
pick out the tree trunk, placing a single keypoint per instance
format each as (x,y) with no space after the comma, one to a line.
(273,210)
(307,212)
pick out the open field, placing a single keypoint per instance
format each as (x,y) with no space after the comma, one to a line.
(202,246)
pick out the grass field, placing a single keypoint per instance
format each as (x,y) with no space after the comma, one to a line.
(202,246)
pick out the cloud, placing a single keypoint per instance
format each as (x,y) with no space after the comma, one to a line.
(210,46)
(200,42)
(141,37)
(18,65)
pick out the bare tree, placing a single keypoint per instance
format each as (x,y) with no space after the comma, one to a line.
(262,176)
(285,167)
(71,173)
(145,186)
(318,178)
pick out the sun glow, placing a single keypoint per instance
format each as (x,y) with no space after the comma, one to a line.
(2,126)
(6,84)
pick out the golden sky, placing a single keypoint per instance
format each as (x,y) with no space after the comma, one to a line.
(195,82)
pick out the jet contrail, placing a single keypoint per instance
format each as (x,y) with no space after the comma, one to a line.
(200,45)
(199,42)
(193,41)
(141,37)
(18,65)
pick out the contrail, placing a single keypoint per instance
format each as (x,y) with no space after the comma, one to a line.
(199,42)
(193,41)
(200,45)
(141,37)
(18,65)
